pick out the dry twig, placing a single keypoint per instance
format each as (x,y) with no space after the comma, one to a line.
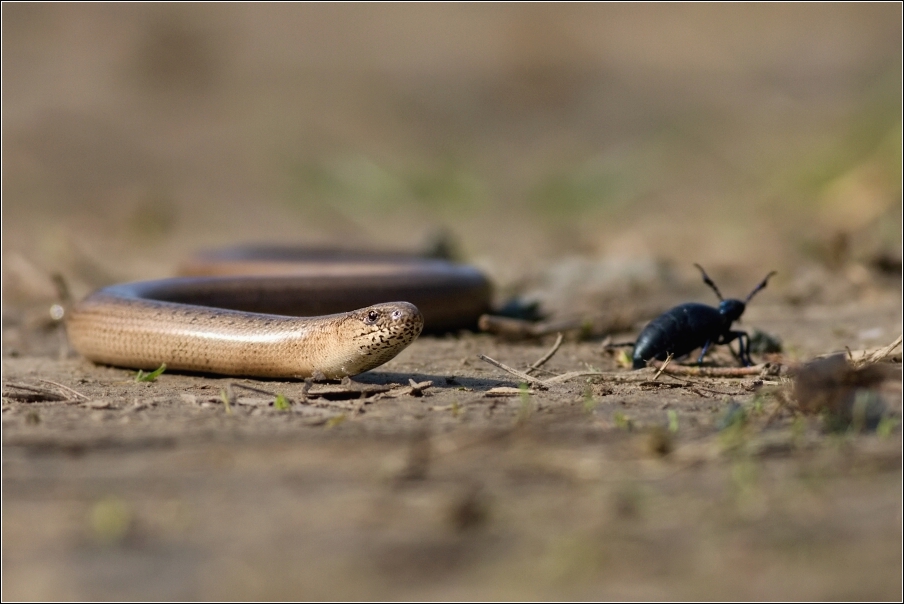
(519,374)
(543,384)
(252,388)
(66,388)
(663,366)
(868,357)
(671,370)
(34,394)
(692,386)
(558,379)
(541,361)
(711,371)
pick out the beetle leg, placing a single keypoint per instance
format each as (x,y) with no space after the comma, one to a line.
(703,352)
(743,345)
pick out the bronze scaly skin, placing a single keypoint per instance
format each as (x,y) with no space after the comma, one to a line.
(215,324)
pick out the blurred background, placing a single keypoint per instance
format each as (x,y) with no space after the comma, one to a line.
(757,136)
(577,151)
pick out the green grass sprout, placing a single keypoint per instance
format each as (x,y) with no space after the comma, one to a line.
(673,420)
(281,403)
(141,376)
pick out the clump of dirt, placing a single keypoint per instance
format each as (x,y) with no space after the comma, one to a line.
(847,395)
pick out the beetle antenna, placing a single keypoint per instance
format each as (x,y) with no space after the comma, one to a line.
(759,287)
(710,283)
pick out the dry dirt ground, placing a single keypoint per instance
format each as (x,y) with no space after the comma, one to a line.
(584,157)
(602,487)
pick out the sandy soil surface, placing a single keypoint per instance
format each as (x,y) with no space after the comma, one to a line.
(158,490)
(583,158)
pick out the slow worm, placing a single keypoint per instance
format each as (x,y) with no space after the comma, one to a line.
(277,312)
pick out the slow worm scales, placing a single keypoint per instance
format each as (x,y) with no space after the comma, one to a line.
(274,312)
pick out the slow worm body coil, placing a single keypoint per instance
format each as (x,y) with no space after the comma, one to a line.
(273,312)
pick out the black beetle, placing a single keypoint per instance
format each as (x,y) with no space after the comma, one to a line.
(690,326)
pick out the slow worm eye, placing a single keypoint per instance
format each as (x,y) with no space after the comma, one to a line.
(372,317)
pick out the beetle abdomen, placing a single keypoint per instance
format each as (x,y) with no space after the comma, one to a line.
(677,331)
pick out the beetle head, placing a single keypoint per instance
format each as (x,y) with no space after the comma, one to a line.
(731,310)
